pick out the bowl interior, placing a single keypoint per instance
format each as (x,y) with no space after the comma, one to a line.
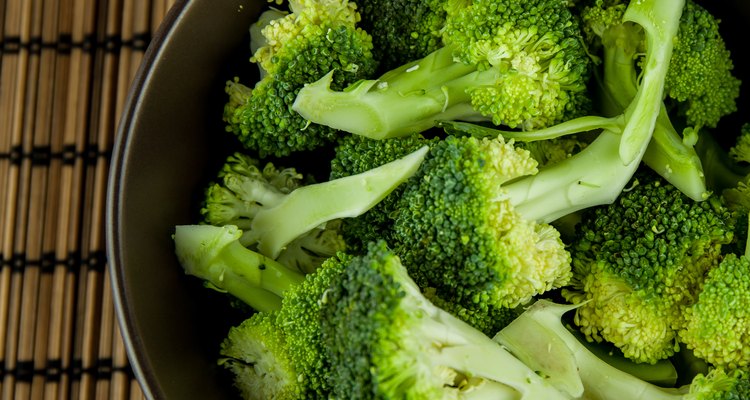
(170,144)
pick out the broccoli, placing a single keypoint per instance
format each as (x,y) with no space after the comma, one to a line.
(273,210)
(385,340)
(540,339)
(457,232)
(276,353)
(404,30)
(697,82)
(215,255)
(315,38)
(520,64)
(717,325)
(638,263)
(257,355)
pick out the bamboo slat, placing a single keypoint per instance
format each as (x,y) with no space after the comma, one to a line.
(65,68)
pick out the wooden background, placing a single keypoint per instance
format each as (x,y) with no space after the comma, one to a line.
(65,68)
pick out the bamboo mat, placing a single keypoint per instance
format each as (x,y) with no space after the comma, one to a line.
(65,67)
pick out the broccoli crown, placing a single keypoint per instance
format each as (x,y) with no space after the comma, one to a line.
(374,334)
(538,47)
(257,355)
(403,30)
(315,38)
(299,318)
(488,322)
(700,76)
(458,233)
(638,262)
(356,154)
(720,384)
(717,326)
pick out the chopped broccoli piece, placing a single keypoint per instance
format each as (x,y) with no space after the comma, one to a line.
(537,334)
(717,325)
(520,64)
(457,232)
(257,355)
(386,340)
(317,37)
(272,218)
(638,263)
(215,254)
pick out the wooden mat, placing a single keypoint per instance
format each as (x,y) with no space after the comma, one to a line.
(65,67)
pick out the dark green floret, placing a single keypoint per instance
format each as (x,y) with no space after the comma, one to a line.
(459,234)
(385,340)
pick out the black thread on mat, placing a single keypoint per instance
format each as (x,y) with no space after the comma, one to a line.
(25,371)
(73,262)
(43,155)
(65,44)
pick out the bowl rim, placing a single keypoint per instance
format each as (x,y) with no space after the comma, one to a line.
(125,315)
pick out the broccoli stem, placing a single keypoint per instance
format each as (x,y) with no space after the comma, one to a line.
(403,101)
(593,176)
(600,380)
(666,153)
(313,205)
(470,352)
(215,255)
(660,19)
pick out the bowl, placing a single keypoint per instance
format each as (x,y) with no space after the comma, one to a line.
(169,144)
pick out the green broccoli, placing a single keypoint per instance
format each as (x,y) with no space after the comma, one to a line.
(717,325)
(215,255)
(274,211)
(403,30)
(257,355)
(276,353)
(317,37)
(520,64)
(458,233)
(385,340)
(697,82)
(638,263)
(540,339)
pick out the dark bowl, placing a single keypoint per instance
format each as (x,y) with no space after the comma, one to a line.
(170,142)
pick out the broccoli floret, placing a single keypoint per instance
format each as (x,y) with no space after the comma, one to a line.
(315,38)
(519,64)
(299,318)
(542,340)
(385,340)
(215,255)
(638,263)
(403,30)
(257,355)
(458,233)
(717,325)
(699,81)
(274,211)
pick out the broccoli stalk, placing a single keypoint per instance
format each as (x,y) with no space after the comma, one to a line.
(399,345)
(272,218)
(531,333)
(216,255)
(532,73)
